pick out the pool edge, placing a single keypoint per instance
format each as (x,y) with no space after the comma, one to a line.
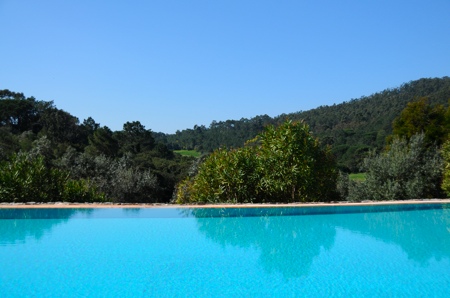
(158,205)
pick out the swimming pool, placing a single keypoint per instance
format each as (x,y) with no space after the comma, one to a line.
(390,250)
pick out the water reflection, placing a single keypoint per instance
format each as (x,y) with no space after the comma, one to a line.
(288,244)
(422,235)
(16,225)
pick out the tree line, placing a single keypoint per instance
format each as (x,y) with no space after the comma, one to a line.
(398,137)
(353,128)
(46,154)
(286,164)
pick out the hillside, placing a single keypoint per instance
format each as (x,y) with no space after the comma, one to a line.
(90,162)
(351,128)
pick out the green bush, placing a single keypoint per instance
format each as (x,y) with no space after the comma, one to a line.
(342,184)
(117,179)
(26,178)
(225,176)
(283,164)
(23,180)
(446,175)
(408,170)
(81,191)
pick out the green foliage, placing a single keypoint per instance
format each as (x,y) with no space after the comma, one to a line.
(125,166)
(446,175)
(9,143)
(59,126)
(421,117)
(27,178)
(101,141)
(282,164)
(23,180)
(118,179)
(408,170)
(228,134)
(134,138)
(353,128)
(293,165)
(17,112)
(342,184)
(81,191)
(226,176)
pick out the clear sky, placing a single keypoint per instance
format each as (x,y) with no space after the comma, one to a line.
(174,64)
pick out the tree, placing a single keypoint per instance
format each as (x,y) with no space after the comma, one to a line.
(85,131)
(359,123)
(102,142)
(90,125)
(16,111)
(446,172)
(134,138)
(420,117)
(60,126)
(8,143)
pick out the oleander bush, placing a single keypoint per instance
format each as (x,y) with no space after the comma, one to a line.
(283,164)
(26,178)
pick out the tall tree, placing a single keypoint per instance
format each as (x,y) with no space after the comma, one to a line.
(60,126)
(421,117)
(90,125)
(134,138)
(17,112)
(103,142)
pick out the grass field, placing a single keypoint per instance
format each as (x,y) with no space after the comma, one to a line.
(192,153)
(358,176)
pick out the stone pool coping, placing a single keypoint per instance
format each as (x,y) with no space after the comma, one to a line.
(163,205)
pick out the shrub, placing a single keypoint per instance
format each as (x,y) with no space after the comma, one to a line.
(81,191)
(342,184)
(226,176)
(117,179)
(408,170)
(446,172)
(283,164)
(26,178)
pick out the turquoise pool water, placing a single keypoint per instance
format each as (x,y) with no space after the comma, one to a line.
(401,251)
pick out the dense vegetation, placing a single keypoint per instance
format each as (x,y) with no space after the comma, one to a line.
(42,146)
(353,128)
(283,164)
(399,137)
(407,170)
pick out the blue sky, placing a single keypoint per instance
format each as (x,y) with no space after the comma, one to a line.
(174,64)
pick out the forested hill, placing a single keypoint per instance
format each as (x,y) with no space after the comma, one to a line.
(87,161)
(356,126)
(352,128)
